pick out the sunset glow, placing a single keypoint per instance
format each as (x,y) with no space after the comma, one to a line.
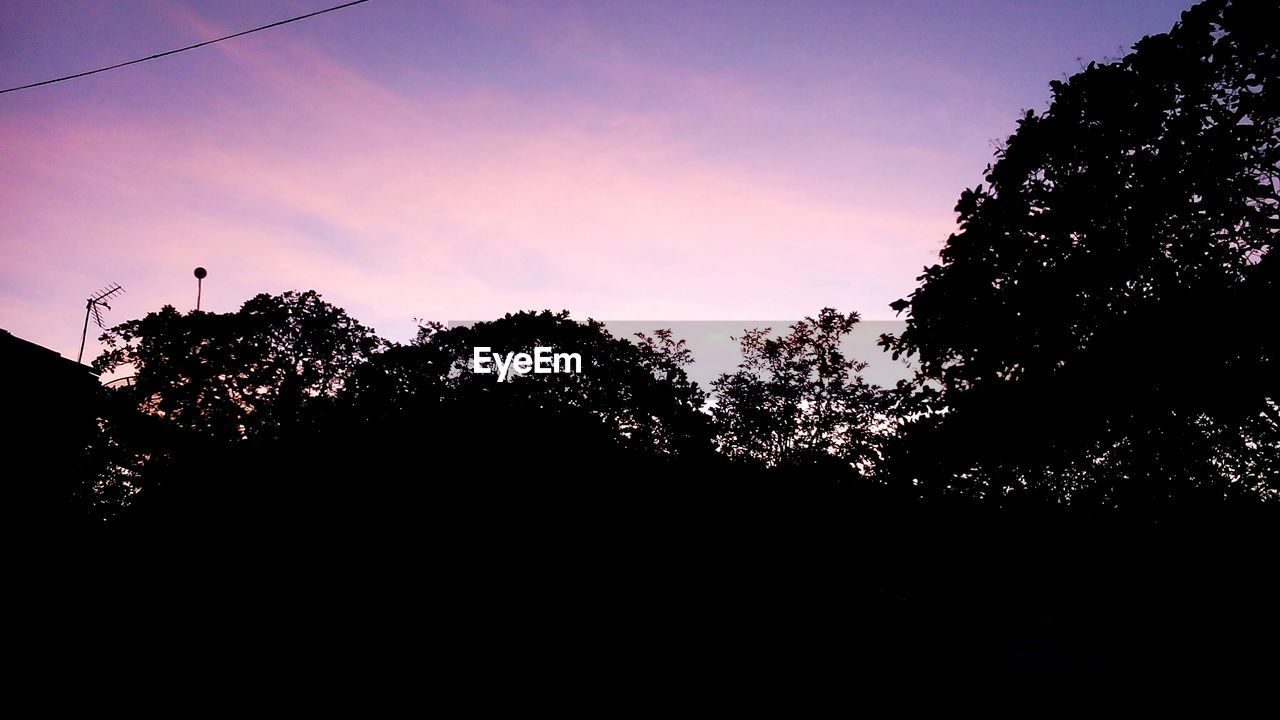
(461,160)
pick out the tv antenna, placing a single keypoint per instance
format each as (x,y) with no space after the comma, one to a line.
(93,306)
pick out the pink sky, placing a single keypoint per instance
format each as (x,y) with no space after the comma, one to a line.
(441,160)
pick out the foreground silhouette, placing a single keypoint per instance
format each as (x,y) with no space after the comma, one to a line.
(1082,478)
(1101,329)
(596,511)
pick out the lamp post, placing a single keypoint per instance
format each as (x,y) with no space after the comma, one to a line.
(200,274)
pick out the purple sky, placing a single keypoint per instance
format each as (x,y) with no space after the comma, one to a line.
(641,160)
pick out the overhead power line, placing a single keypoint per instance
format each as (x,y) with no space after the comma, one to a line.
(183,49)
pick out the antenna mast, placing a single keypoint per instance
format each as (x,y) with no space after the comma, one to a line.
(93,306)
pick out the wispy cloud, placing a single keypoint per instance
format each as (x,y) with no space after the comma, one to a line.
(501,156)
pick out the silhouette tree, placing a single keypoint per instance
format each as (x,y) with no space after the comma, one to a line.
(797,399)
(637,392)
(255,373)
(1100,328)
(358,489)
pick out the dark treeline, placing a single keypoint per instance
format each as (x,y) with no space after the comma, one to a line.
(1083,473)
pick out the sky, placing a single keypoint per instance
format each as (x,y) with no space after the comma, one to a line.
(460,160)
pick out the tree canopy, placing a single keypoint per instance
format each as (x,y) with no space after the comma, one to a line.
(250,374)
(1096,334)
(796,398)
(1103,315)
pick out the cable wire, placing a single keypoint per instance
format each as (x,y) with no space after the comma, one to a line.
(183,49)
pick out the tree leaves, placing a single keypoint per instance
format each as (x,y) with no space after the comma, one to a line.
(1116,263)
(796,397)
(254,373)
